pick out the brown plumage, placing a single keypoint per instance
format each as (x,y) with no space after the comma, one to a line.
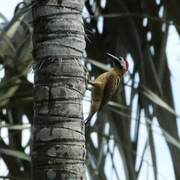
(106,85)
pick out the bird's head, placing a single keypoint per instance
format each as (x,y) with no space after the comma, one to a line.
(120,62)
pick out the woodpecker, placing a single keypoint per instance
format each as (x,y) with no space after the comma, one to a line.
(106,85)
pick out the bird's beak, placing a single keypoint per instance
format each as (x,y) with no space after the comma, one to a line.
(112,56)
(120,60)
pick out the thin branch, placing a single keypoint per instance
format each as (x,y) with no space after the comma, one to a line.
(141,163)
(136,15)
(112,159)
(14,177)
(133,152)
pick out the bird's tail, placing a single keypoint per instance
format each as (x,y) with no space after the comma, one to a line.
(89,118)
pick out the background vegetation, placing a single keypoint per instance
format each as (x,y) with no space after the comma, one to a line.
(135,29)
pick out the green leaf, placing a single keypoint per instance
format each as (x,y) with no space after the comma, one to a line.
(8,89)
(16,154)
(168,136)
(16,20)
(7,47)
(171,139)
(157,100)
(15,127)
(117,105)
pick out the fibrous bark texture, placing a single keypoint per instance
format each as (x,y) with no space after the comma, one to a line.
(58,148)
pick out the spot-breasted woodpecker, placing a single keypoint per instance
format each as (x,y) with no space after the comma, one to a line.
(106,85)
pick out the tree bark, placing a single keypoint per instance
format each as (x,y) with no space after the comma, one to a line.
(58,148)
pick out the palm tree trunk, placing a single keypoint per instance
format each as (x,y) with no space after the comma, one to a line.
(58,149)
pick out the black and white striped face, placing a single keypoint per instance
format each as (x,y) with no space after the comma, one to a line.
(123,62)
(120,61)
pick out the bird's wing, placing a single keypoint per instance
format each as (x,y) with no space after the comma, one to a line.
(99,85)
(110,88)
